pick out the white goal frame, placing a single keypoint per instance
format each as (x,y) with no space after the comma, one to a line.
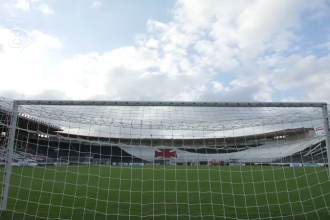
(17,103)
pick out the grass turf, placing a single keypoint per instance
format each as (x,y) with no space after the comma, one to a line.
(168,192)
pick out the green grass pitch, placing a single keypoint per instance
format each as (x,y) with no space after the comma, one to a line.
(168,192)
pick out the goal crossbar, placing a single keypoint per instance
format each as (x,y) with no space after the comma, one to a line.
(170,103)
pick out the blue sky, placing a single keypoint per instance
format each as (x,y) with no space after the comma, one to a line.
(205,50)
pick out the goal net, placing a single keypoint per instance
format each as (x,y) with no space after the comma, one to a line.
(163,160)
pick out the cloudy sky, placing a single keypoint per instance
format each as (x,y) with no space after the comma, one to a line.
(205,50)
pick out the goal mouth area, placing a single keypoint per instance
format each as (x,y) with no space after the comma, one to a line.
(163,160)
(214,127)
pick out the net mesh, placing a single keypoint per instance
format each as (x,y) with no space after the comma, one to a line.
(164,162)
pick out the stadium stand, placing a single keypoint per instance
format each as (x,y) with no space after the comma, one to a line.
(58,145)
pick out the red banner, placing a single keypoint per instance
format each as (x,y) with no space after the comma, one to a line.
(165,153)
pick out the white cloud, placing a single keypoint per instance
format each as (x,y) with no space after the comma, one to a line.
(218,86)
(152,43)
(309,74)
(245,24)
(96,4)
(45,9)
(328,43)
(290,99)
(22,4)
(27,5)
(27,71)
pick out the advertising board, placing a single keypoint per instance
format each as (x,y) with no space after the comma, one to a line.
(237,164)
(138,164)
(122,164)
(310,165)
(22,164)
(32,164)
(61,164)
(296,165)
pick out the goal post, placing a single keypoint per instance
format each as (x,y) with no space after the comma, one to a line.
(7,172)
(326,132)
(89,159)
